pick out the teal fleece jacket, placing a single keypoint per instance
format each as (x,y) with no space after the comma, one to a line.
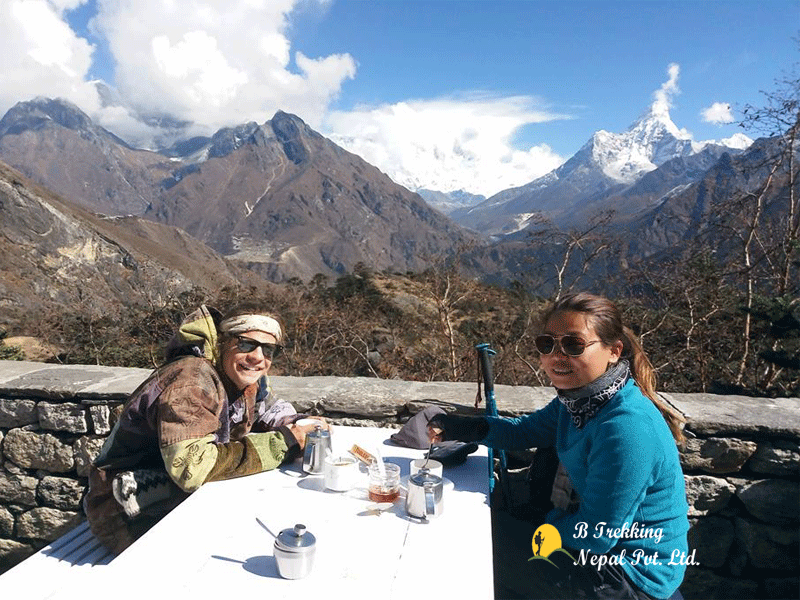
(624,466)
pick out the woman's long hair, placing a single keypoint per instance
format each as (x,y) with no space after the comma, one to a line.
(607,322)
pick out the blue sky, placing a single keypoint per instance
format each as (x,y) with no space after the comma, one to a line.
(447,94)
(597,61)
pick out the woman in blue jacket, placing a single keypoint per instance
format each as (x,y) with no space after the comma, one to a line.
(624,520)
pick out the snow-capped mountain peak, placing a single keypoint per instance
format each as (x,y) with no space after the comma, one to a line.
(738,141)
(604,173)
(607,160)
(649,142)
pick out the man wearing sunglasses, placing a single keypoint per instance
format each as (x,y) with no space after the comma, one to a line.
(207,414)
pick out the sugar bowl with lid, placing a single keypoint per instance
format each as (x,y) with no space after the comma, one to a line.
(294,552)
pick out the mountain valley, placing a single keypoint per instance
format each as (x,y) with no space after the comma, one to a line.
(279,201)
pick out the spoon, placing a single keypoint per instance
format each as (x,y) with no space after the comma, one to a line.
(437,431)
(427,457)
(265,527)
(379,507)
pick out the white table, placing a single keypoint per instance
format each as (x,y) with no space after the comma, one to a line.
(70,562)
(217,543)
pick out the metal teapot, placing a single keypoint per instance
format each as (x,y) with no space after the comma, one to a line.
(318,447)
(424,498)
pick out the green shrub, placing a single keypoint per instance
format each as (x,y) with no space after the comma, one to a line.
(11,352)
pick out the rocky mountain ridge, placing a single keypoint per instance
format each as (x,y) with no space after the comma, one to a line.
(447,202)
(282,201)
(55,254)
(607,167)
(278,196)
(714,206)
(57,145)
(697,203)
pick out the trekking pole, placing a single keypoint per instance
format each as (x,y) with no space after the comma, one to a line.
(485,353)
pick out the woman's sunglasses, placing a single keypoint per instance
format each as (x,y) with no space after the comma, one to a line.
(571,345)
(247,345)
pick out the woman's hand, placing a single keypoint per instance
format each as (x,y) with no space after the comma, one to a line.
(462,428)
(301,428)
(435,434)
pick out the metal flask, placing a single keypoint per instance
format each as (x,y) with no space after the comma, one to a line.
(318,446)
(424,497)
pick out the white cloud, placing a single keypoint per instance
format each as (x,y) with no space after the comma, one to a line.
(197,61)
(662,97)
(217,62)
(448,144)
(41,54)
(718,113)
(213,63)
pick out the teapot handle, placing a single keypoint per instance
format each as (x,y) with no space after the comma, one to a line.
(313,459)
(430,500)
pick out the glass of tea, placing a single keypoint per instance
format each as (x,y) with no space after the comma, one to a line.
(384,485)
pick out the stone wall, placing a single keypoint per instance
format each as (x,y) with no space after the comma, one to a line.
(741,464)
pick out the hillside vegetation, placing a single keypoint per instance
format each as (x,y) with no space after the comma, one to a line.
(425,327)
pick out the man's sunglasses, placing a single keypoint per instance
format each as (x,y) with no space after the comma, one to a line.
(571,345)
(247,345)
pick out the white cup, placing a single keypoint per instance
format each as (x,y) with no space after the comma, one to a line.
(433,466)
(308,421)
(340,473)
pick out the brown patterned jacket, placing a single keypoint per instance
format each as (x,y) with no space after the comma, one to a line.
(188,421)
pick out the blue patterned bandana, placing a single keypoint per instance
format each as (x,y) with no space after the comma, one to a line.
(583,403)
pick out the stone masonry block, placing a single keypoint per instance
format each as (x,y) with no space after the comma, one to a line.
(18,489)
(11,468)
(717,455)
(17,413)
(61,492)
(100,416)
(706,494)
(12,552)
(46,523)
(712,538)
(85,450)
(6,523)
(33,450)
(367,406)
(67,417)
(780,457)
(768,546)
(771,500)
